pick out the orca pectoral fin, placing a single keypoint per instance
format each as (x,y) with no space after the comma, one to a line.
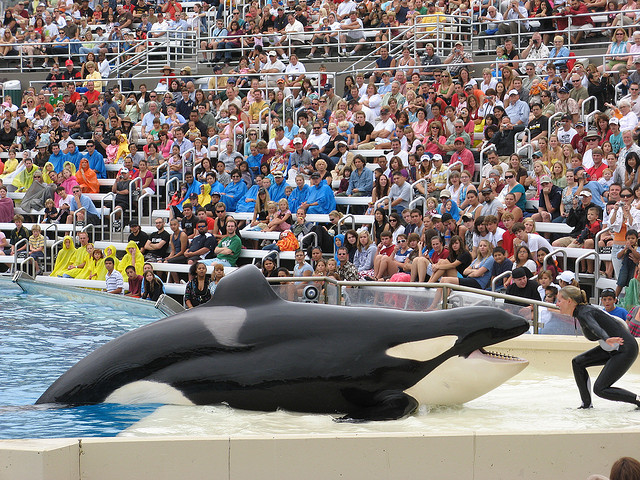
(392,406)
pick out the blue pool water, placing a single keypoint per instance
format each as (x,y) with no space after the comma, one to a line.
(40,339)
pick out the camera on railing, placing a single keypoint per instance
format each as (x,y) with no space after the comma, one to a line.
(310,294)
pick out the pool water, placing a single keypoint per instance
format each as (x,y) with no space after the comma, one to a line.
(41,338)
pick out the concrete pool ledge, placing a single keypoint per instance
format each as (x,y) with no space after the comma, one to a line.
(500,455)
(387,456)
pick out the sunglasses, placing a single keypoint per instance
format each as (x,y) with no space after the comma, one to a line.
(508,176)
(402,241)
(626,195)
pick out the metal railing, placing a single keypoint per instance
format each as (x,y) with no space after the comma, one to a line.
(447,290)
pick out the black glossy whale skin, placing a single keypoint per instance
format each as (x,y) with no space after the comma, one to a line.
(252,350)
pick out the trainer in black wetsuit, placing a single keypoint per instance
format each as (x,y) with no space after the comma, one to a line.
(617,351)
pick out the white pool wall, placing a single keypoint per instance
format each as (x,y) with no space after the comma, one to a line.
(500,455)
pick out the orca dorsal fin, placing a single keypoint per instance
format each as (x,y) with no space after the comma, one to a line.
(246,286)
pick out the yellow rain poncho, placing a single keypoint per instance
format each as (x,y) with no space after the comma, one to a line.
(24,179)
(10,166)
(90,267)
(136,259)
(64,257)
(79,258)
(110,251)
(48,167)
(205,196)
(71,166)
(123,149)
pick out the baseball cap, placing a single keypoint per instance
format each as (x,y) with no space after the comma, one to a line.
(278,174)
(459,139)
(437,156)
(315,175)
(426,157)
(134,223)
(513,92)
(608,292)
(563,90)
(272,54)
(580,124)
(545,179)
(68,62)
(445,193)
(614,121)
(328,86)
(124,170)
(446,216)
(297,140)
(585,193)
(566,276)
(313,146)
(518,273)
(341,143)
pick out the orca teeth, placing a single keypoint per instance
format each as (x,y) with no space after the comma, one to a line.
(500,356)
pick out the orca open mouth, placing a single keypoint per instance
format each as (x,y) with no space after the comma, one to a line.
(494,356)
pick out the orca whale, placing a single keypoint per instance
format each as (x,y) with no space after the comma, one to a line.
(252,350)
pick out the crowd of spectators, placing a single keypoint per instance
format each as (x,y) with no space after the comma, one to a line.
(423,114)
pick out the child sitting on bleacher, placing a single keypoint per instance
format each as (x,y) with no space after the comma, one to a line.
(112,150)
(50,211)
(36,246)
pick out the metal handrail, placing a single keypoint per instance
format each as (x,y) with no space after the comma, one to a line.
(414,184)
(54,252)
(112,217)
(18,245)
(162,166)
(243,127)
(415,201)
(302,238)
(381,200)
(265,109)
(495,279)
(54,227)
(133,184)
(596,269)
(551,124)
(75,214)
(28,260)
(89,226)
(588,99)
(167,190)
(589,118)
(344,218)
(560,251)
(111,196)
(141,206)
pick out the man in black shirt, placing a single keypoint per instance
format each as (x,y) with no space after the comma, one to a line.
(362,128)
(158,244)
(188,223)
(137,235)
(522,287)
(539,124)
(202,246)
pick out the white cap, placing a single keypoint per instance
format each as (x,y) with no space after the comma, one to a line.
(513,92)
(437,156)
(566,276)
(297,140)
(272,53)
